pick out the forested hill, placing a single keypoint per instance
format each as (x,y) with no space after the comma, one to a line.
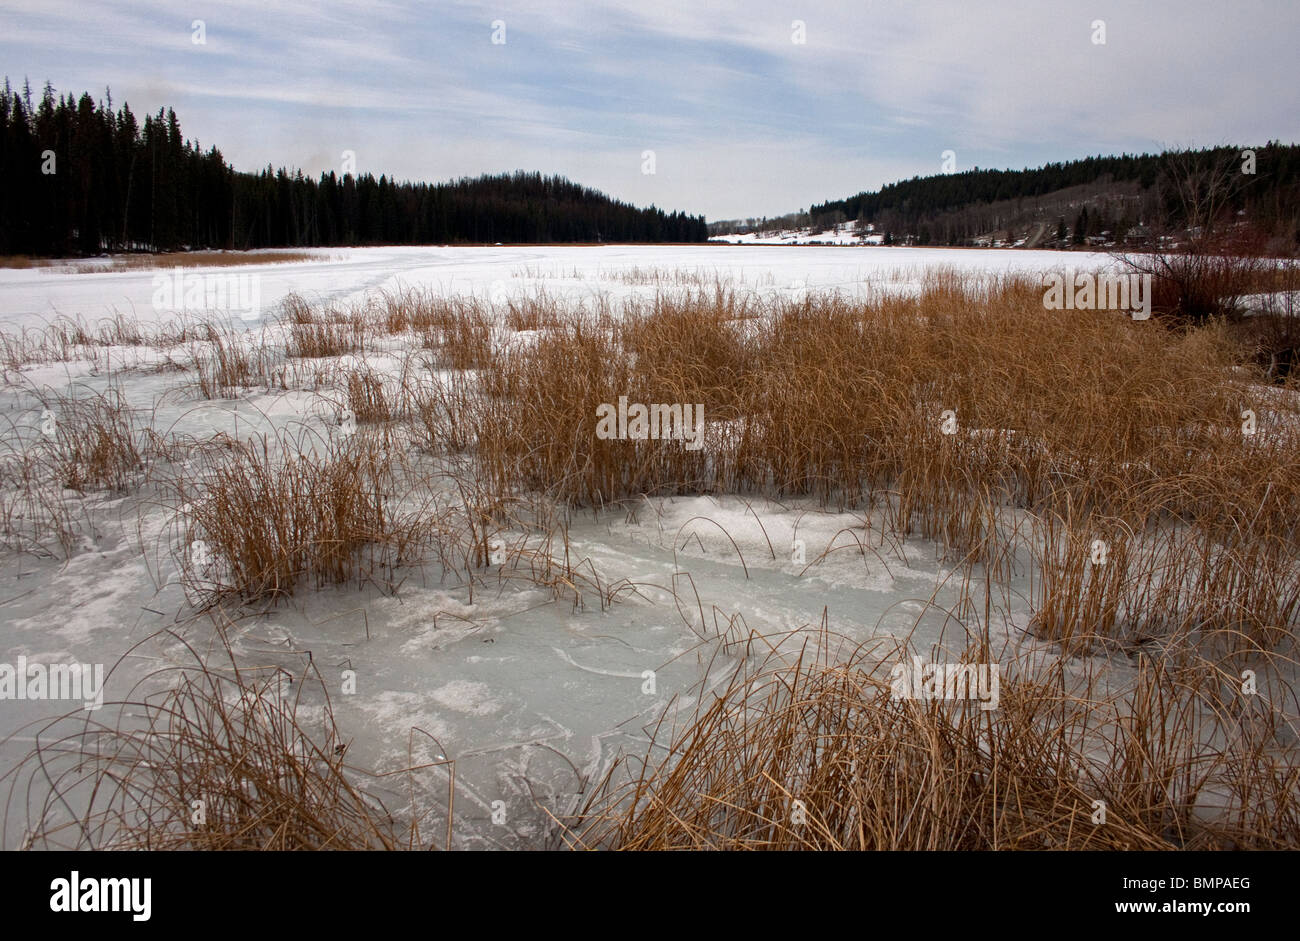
(1093,194)
(77,177)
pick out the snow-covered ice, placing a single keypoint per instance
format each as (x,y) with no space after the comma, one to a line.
(34,296)
(531,696)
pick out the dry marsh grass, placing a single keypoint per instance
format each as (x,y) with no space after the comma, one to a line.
(36,514)
(208,259)
(535,312)
(68,446)
(23,261)
(264,515)
(370,397)
(1012,436)
(804,754)
(948,411)
(322,334)
(67,339)
(204,756)
(228,361)
(96,442)
(459,329)
(832,395)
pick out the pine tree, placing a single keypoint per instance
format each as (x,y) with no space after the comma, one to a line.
(120,185)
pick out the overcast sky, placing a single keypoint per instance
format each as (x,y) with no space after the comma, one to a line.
(743,120)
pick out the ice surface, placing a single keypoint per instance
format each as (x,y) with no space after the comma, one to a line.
(530,695)
(33,296)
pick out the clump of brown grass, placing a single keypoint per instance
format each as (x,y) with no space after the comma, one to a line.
(1105,581)
(669,277)
(550,445)
(66,339)
(323,340)
(412,309)
(811,755)
(444,407)
(458,329)
(463,338)
(690,348)
(95,443)
(217,758)
(228,362)
(36,515)
(275,511)
(72,444)
(367,395)
(62,340)
(535,312)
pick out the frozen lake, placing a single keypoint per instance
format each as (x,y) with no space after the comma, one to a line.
(33,296)
(531,696)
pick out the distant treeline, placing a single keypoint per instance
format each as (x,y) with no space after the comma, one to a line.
(77,177)
(953,208)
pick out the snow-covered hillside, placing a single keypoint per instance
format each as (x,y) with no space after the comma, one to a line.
(843,234)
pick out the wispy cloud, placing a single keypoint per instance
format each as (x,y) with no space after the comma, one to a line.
(742,118)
